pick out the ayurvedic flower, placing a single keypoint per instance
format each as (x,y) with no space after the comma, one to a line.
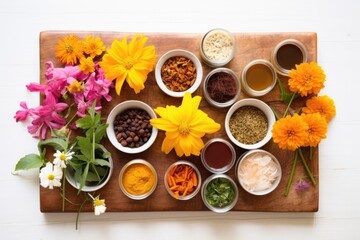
(61,158)
(50,176)
(69,50)
(185,126)
(93,47)
(321,104)
(131,62)
(307,78)
(87,65)
(290,132)
(99,206)
(317,128)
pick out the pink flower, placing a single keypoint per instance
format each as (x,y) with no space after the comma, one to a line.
(22,115)
(97,88)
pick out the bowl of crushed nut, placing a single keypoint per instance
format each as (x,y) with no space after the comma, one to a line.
(178,71)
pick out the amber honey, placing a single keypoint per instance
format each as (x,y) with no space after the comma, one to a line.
(259,77)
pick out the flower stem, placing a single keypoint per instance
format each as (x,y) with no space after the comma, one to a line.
(311,153)
(63,190)
(306,167)
(291,175)
(288,106)
(80,208)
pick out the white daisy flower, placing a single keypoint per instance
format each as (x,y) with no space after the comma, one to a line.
(99,206)
(50,176)
(61,158)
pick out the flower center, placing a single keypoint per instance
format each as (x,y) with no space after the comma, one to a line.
(184,129)
(99,202)
(51,176)
(69,48)
(290,133)
(62,156)
(129,63)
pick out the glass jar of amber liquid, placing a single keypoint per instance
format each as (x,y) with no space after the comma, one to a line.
(258,78)
(287,54)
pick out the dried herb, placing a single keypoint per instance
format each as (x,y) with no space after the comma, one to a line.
(221,87)
(248,125)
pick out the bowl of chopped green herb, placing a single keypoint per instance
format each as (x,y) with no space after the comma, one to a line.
(219,193)
(248,123)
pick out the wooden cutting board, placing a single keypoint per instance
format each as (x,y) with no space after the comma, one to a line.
(250,46)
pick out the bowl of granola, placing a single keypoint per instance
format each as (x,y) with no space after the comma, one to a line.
(178,71)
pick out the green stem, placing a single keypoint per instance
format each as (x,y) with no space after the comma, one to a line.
(291,174)
(288,106)
(306,167)
(63,190)
(275,113)
(80,208)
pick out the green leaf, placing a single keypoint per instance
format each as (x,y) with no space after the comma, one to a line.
(84,176)
(56,143)
(85,146)
(285,96)
(102,162)
(92,177)
(29,161)
(85,122)
(100,132)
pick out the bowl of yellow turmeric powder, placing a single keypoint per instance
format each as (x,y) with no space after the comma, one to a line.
(138,179)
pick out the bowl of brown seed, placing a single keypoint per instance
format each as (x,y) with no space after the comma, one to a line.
(129,127)
(248,123)
(178,71)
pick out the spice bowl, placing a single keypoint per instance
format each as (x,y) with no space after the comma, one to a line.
(248,123)
(129,127)
(258,78)
(217,47)
(219,193)
(221,87)
(190,183)
(178,71)
(218,155)
(258,172)
(138,179)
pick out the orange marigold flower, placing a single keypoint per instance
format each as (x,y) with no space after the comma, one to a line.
(290,132)
(307,78)
(93,47)
(87,65)
(321,104)
(69,50)
(317,128)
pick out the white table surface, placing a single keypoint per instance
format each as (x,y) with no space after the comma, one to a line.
(338,26)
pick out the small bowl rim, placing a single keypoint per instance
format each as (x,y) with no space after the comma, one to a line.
(264,108)
(182,53)
(251,152)
(125,167)
(237,82)
(225,168)
(226,208)
(247,88)
(194,193)
(121,107)
(217,63)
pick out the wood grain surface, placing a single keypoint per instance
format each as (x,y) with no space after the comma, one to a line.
(250,46)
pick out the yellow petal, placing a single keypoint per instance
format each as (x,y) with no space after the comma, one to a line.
(163,124)
(119,83)
(207,125)
(168,144)
(136,80)
(185,143)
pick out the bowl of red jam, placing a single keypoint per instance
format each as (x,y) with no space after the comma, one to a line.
(218,155)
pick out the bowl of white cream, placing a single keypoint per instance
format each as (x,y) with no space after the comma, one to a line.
(258,172)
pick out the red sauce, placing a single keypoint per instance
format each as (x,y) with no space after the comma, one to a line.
(218,155)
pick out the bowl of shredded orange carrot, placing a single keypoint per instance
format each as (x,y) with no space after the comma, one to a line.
(182,180)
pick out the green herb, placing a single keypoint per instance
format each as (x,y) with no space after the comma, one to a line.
(220,192)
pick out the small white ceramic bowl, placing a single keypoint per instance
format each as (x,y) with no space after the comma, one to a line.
(255,103)
(251,156)
(121,107)
(176,53)
(167,187)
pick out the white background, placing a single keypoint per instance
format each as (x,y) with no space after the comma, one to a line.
(338,26)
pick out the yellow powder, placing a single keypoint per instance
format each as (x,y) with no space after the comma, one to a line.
(138,179)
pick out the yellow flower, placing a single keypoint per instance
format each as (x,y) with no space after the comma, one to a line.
(317,128)
(185,126)
(132,62)
(307,78)
(93,47)
(321,104)
(87,65)
(69,50)
(75,86)
(290,132)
